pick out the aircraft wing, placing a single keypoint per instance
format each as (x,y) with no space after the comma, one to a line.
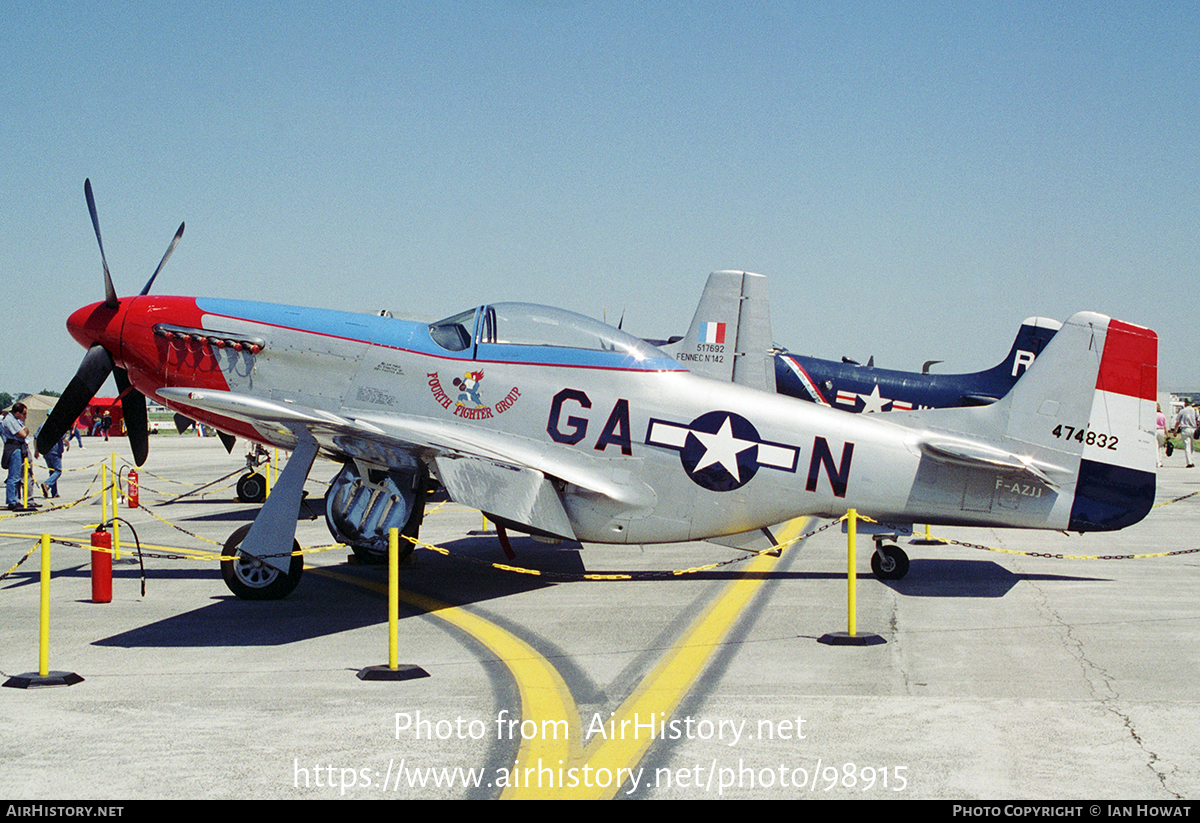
(489,470)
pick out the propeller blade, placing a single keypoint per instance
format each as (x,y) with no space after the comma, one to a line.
(162,263)
(133,408)
(93,371)
(110,294)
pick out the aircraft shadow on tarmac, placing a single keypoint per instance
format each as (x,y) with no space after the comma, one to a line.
(322,606)
(965,578)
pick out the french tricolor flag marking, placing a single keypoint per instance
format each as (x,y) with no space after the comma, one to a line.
(712,332)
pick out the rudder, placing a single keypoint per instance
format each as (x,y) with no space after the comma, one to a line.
(1088,402)
(1116,485)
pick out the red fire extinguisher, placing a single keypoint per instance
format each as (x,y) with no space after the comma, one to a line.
(132,485)
(101,566)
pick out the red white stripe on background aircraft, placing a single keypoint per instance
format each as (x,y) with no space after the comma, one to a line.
(559,425)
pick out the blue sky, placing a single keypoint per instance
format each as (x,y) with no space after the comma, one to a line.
(913,178)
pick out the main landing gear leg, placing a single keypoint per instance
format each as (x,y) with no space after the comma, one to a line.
(264,567)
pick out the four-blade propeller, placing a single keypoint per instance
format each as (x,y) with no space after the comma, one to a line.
(98,363)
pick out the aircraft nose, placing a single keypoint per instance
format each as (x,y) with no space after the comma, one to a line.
(96,323)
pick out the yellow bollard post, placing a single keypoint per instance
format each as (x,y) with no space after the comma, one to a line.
(43,677)
(393,670)
(103,492)
(852,571)
(851,637)
(44,622)
(928,539)
(393,598)
(116,493)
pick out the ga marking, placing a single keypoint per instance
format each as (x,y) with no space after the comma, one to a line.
(615,432)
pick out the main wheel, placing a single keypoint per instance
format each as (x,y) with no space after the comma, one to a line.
(889,562)
(252,488)
(250,578)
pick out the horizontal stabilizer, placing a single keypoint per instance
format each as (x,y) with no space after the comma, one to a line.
(980,456)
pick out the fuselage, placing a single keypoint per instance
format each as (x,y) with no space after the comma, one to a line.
(639,449)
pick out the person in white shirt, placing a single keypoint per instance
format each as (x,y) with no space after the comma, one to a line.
(1186,424)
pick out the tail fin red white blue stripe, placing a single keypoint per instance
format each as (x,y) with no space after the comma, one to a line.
(1117,479)
(1088,402)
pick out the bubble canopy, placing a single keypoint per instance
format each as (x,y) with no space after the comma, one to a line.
(527,331)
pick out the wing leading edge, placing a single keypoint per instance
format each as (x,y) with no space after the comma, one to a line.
(506,475)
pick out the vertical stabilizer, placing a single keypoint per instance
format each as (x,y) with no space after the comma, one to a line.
(1072,446)
(1032,337)
(730,335)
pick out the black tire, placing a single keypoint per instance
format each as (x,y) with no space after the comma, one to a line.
(252,579)
(252,488)
(889,563)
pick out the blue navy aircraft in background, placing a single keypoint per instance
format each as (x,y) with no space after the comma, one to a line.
(853,387)
(732,298)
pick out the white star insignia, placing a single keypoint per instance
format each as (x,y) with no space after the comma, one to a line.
(873,402)
(722,448)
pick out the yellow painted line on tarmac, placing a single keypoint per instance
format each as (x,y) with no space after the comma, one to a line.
(552,761)
(545,697)
(661,692)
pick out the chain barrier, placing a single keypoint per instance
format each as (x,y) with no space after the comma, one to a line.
(86,467)
(1175,499)
(906,530)
(776,550)
(87,495)
(17,565)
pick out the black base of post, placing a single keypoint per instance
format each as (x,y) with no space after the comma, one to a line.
(847,639)
(402,672)
(33,680)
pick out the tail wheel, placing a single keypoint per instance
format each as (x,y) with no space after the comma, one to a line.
(251,578)
(252,488)
(889,562)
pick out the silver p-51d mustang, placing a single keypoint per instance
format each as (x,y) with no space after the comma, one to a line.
(559,425)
